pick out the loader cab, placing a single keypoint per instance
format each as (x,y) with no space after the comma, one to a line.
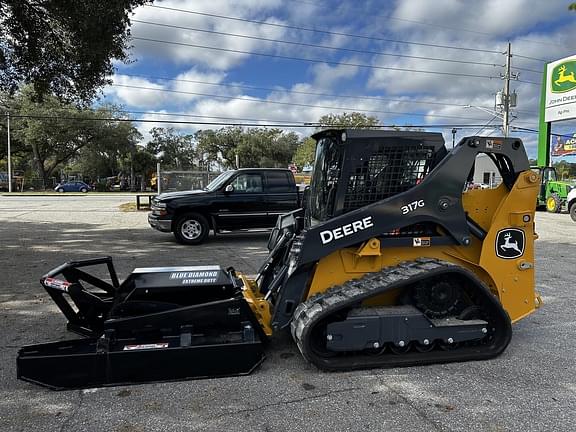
(354,168)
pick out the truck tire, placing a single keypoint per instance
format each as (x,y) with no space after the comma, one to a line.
(191,229)
(573,211)
(83,190)
(553,203)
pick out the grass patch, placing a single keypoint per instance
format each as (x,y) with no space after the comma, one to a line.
(128,207)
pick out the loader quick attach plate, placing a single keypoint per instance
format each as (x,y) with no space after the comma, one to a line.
(188,336)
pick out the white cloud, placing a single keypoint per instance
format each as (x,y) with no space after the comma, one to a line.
(496,17)
(128,90)
(326,76)
(183,54)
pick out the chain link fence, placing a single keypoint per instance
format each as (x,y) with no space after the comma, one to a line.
(173,181)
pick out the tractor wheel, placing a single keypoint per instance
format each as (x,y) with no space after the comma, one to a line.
(573,211)
(191,229)
(553,203)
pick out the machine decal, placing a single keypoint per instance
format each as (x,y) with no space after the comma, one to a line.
(195,277)
(412,206)
(493,144)
(510,243)
(145,346)
(346,230)
(421,242)
(57,284)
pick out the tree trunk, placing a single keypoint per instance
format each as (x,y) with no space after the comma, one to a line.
(39,162)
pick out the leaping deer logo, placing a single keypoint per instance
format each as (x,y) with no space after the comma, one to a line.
(509,244)
(564,78)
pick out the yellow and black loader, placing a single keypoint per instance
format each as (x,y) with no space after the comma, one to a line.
(392,261)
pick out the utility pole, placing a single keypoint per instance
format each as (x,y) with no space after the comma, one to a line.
(9,154)
(508,100)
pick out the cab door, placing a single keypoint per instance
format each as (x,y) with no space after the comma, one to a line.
(244,206)
(281,194)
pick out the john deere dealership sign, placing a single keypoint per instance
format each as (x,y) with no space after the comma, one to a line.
(561,90)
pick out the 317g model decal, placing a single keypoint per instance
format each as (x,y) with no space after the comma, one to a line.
(412,206)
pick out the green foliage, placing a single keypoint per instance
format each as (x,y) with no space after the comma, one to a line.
(52,134)
(348,120)
(62,47)
(256,148)
(112,153)
(178,149)
(305,153)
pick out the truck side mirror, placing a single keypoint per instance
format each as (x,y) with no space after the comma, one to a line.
(229,188)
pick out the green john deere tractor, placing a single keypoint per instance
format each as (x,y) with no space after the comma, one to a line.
(553,192)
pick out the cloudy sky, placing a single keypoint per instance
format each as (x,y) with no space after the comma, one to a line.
(435,64)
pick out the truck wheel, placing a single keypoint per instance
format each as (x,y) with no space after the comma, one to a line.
(553,203)
(60,190)
(573,211)
(191,229)
(83,190)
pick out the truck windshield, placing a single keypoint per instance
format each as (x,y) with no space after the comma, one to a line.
(325,178)
(219,181)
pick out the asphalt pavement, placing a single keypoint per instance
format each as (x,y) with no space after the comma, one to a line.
(531,387)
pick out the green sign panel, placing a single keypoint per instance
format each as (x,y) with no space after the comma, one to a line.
(563,78)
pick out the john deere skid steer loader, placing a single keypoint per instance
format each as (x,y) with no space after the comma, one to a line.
(392,262)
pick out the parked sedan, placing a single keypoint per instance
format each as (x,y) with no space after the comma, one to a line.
(72,186)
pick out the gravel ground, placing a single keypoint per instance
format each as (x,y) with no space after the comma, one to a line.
(531,387)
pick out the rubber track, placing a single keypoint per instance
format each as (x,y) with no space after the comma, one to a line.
(320,307)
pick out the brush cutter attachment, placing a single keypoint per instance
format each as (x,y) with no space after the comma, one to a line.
(160,324)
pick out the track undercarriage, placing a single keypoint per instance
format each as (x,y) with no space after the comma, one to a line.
(335,331)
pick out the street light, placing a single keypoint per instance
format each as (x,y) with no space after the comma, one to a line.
(454,130)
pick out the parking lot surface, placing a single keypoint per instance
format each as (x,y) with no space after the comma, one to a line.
(531,387)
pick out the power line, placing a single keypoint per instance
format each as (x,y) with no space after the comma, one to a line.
(485,126)
(527,82)
(235,119)
(294,103)
(360,65)
(530,58)
(270,89)
(526,69)
(351,50)
(294,125)
(315,30)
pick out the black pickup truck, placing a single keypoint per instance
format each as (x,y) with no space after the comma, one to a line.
(240,199)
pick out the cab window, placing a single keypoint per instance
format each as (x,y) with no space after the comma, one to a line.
(247,183)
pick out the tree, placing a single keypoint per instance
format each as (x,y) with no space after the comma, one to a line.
(63,47)
(179,153)
(305,153)
(219,145)
(306,150)
(112,152)
(54,132)
(255,148)
(348,120)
